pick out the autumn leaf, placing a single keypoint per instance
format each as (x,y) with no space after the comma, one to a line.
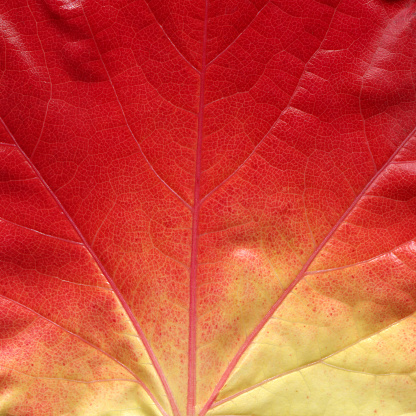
(208,208)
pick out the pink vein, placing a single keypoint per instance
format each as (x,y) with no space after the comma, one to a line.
(138,381)
(298,278)
(65,240)
(195,221)
(142,336)
(120,297)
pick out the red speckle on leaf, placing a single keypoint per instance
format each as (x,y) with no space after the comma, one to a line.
(188,187)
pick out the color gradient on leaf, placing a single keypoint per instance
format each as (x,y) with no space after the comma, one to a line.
(207,207)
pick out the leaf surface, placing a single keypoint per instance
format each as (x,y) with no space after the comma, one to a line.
(207,207)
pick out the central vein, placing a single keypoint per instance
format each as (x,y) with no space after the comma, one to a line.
(195,222)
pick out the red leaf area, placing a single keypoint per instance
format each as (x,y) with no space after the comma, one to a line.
(178,178)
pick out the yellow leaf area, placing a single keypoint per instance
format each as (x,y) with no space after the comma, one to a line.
(375,376)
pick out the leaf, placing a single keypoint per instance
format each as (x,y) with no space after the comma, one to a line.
(207,208)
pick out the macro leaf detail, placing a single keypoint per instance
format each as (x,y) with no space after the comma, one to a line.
(207,207)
